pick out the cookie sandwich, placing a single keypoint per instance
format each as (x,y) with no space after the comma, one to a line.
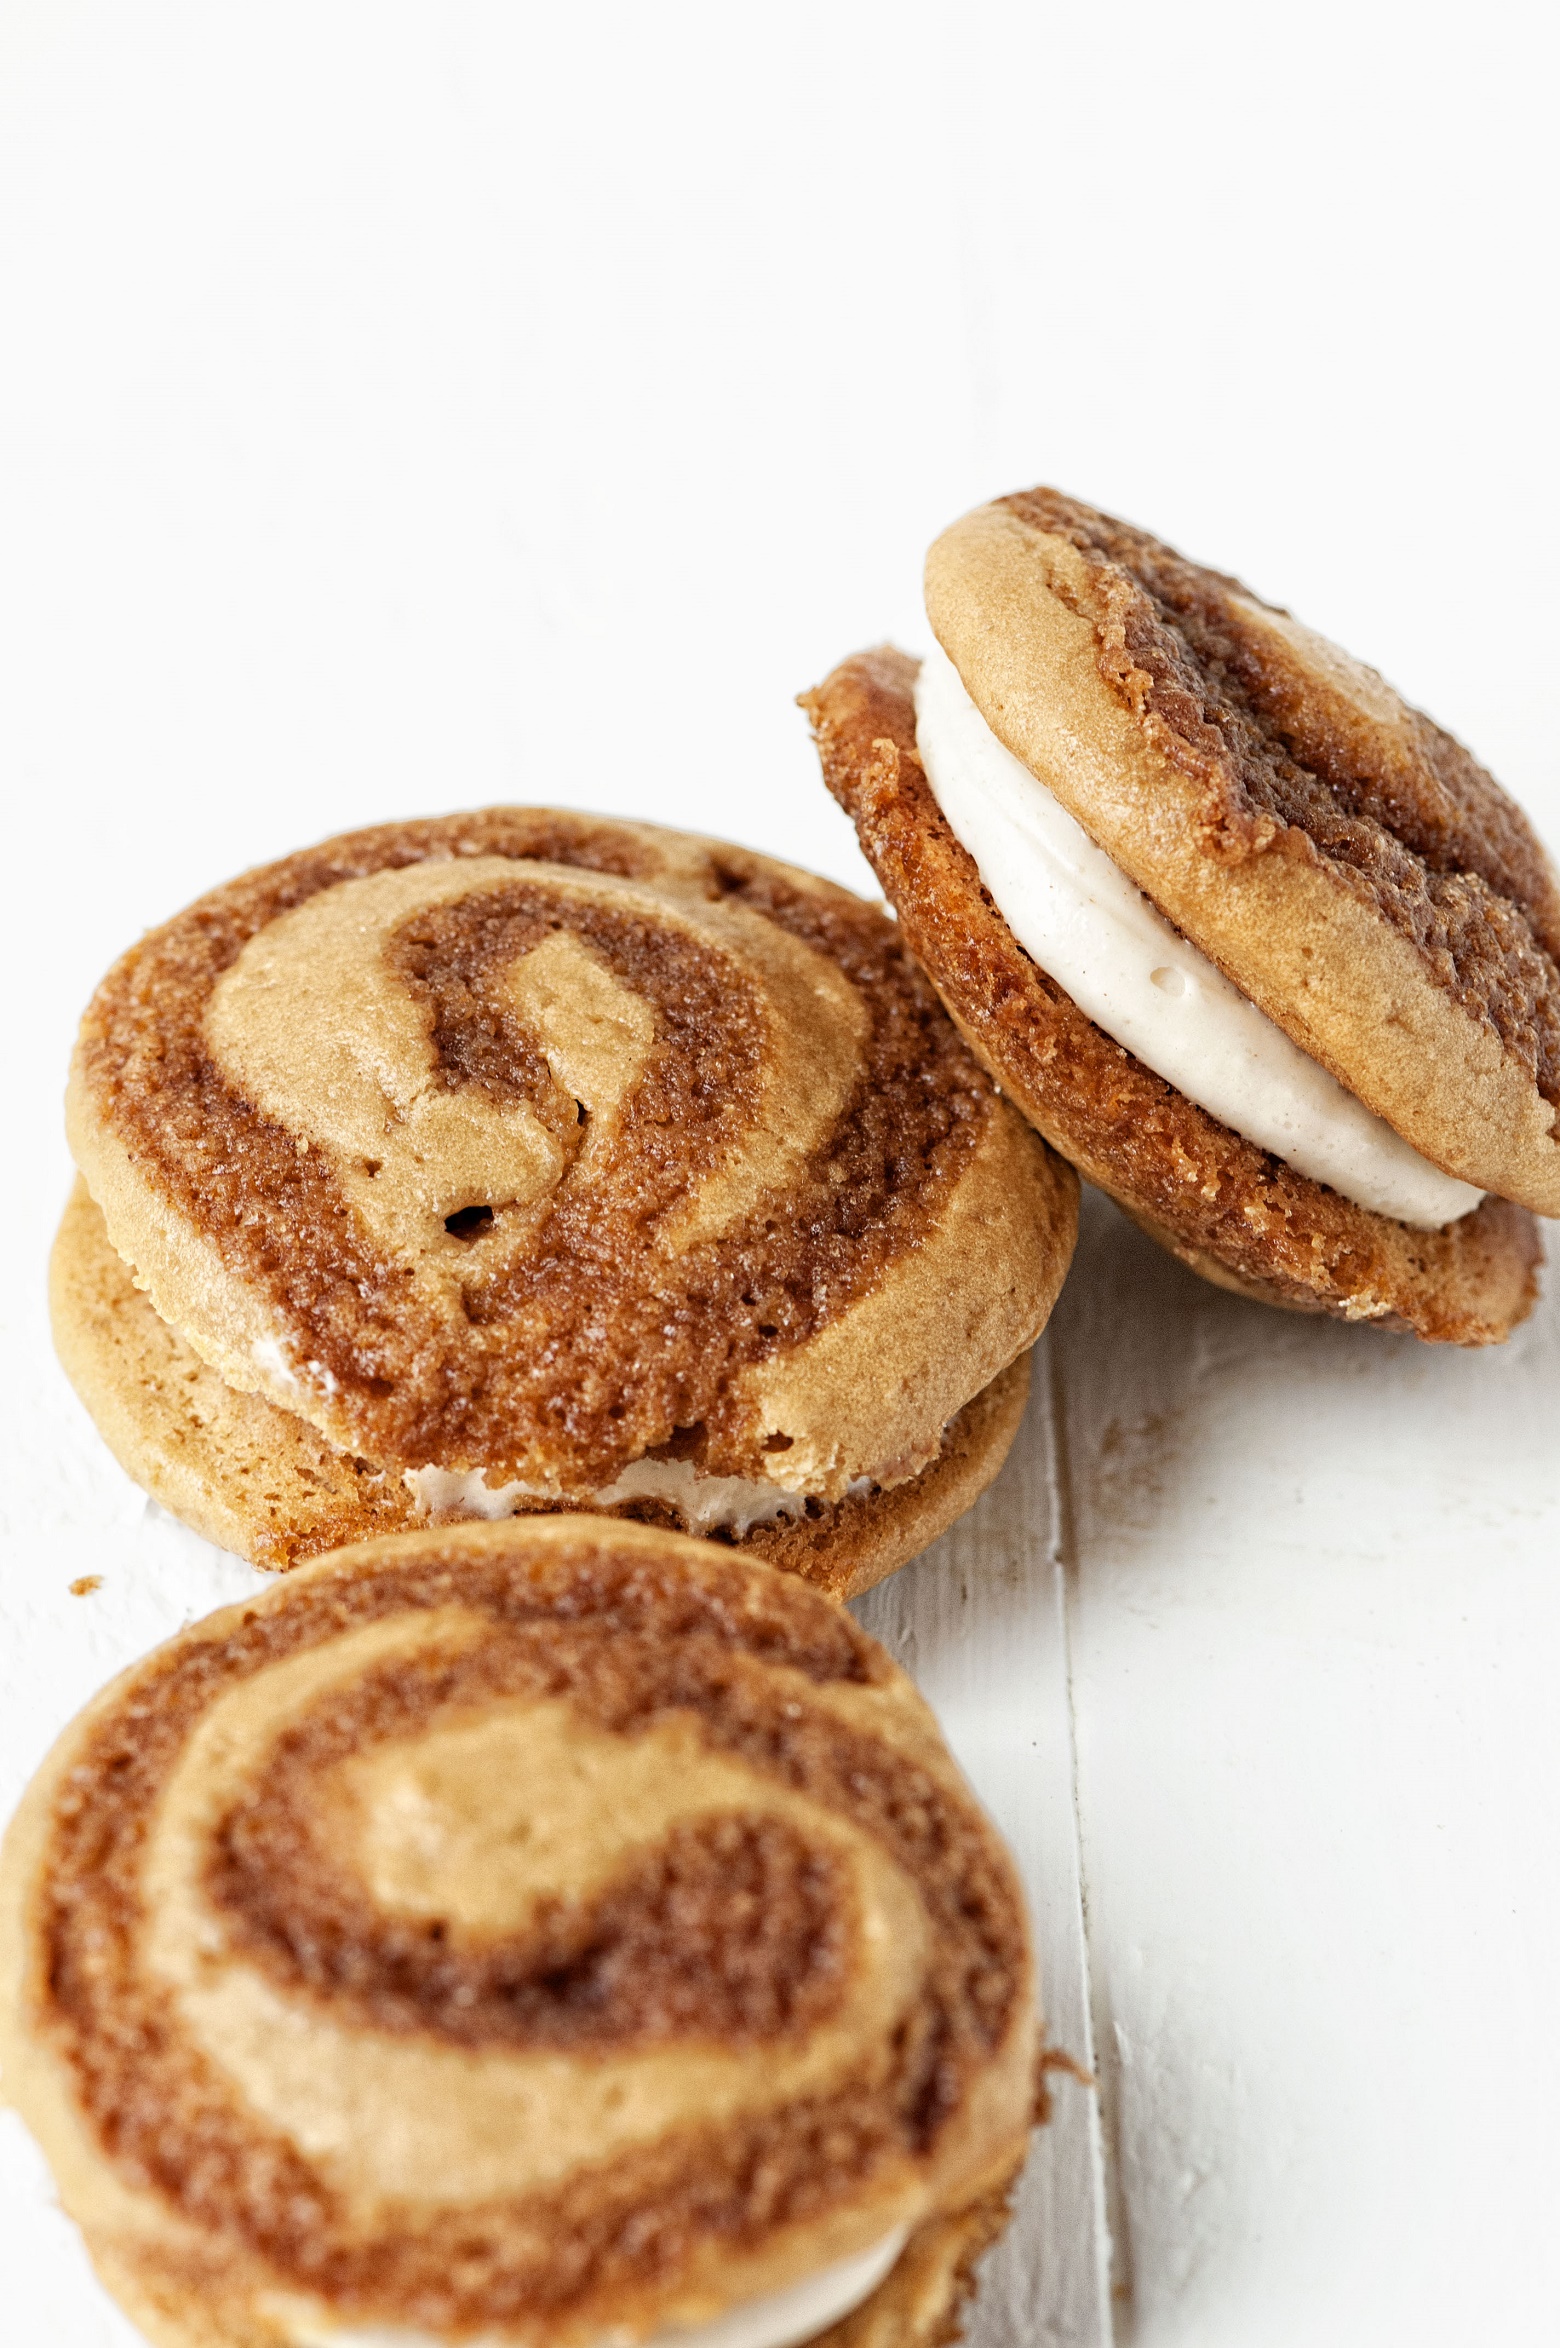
(551,1933)
(1259,948)
(521,1161)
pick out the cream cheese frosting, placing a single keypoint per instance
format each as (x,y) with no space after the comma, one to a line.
(707,1504)
(781,2319)
(1129,970)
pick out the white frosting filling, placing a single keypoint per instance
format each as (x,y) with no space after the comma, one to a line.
(1136,977)
(269,1355)
(707,1504)
(781,2319)
(464,1492)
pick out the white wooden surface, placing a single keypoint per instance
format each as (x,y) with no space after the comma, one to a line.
(1315,1644)
(981,1622)
(406,405)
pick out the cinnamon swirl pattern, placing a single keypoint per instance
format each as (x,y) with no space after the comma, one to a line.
(526,1161)
(549,1932)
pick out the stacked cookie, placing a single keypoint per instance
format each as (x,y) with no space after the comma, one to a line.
(548,1929)
(523,1161)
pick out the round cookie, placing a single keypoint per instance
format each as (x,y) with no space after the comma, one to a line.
(1229,1209)
(1340,858)
(524,1159)
(541,1932)
(262,1482)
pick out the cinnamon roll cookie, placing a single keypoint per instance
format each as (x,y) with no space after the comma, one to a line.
(522,1161)
(550,1933)
(1259,948)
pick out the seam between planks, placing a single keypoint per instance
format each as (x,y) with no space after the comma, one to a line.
(1114,2288)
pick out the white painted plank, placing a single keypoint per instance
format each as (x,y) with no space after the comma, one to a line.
(1316,1643)
(980,1623)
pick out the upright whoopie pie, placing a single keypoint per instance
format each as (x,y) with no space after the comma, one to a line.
(1263,951)
(553,1934)
(522,1161)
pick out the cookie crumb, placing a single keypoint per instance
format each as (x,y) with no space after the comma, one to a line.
(84,1585)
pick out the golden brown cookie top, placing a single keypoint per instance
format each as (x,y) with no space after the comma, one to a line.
(559,1924)
(529,1140)
(1284,732)
(1346,862)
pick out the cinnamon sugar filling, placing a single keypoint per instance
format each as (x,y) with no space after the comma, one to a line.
(627,1641)
(732,1927)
